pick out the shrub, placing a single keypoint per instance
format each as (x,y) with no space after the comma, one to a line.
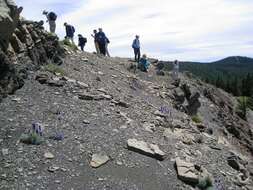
(54,69)
(31,138)
(66,42)
(205,183)
(196,119)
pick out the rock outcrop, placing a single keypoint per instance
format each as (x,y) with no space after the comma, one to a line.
(9,16)
(24,45)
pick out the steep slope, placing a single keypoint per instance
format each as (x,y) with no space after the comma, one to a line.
(102,105)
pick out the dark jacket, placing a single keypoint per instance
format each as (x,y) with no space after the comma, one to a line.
(70,30)
(101,38)
(82,41)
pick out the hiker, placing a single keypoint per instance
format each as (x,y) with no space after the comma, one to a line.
(136,46)
(106,47)
(81,41)
(101,39)
(94,35)
(143,64)
(70,31)
(175,72)
(51,19)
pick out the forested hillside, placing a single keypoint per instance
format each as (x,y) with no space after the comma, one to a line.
(233,74)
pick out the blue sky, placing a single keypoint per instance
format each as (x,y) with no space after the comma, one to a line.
(194,30)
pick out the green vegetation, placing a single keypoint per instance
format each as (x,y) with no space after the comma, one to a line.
(205,183)
(196,119)
(31,138)
(244,103)
(66,42)
(54,69)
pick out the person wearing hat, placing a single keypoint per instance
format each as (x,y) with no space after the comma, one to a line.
(51,19)
(136,46)
(81,41)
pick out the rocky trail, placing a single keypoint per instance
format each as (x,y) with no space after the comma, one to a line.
(98,106)
(73,120)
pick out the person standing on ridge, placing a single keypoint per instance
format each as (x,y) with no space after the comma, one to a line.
(70,31)
(51,19)
(137,46)
(81,41)
(95,36)
(101,38)
(175,72)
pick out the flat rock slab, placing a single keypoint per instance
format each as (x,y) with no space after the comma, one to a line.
(144,148)
(48,155)
(98,160)
(85,96)
(186,171)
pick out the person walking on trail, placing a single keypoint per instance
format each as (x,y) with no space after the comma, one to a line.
(175,72)
(143,64)
(101,38)
(94,35)
(70,31)
(137,46)
(51,19)
(106,47)
(81,41)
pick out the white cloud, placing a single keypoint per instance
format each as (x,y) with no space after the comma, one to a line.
(171,29)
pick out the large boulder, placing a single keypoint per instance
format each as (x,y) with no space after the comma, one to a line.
(9,16)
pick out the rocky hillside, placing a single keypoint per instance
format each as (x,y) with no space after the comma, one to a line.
(93,123)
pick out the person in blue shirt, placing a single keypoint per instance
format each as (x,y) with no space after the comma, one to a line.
(143,64)
(70,31)
(137,46)
(102,41)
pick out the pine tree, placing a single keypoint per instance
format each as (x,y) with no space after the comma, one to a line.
(235,87)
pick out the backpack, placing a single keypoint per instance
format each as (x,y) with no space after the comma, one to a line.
(101,38)
(73,29)
(52,16)
(85,40)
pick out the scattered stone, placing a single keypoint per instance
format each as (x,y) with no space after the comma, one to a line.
(149,127)
(16,99)
(85,96)
(82,84)
(187,172)
(56,83)
(235,161)
(42,78)
(53,168)
(5,151)
(144,148)
(122,104)
(49,155)
(86,122)
(98,160)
